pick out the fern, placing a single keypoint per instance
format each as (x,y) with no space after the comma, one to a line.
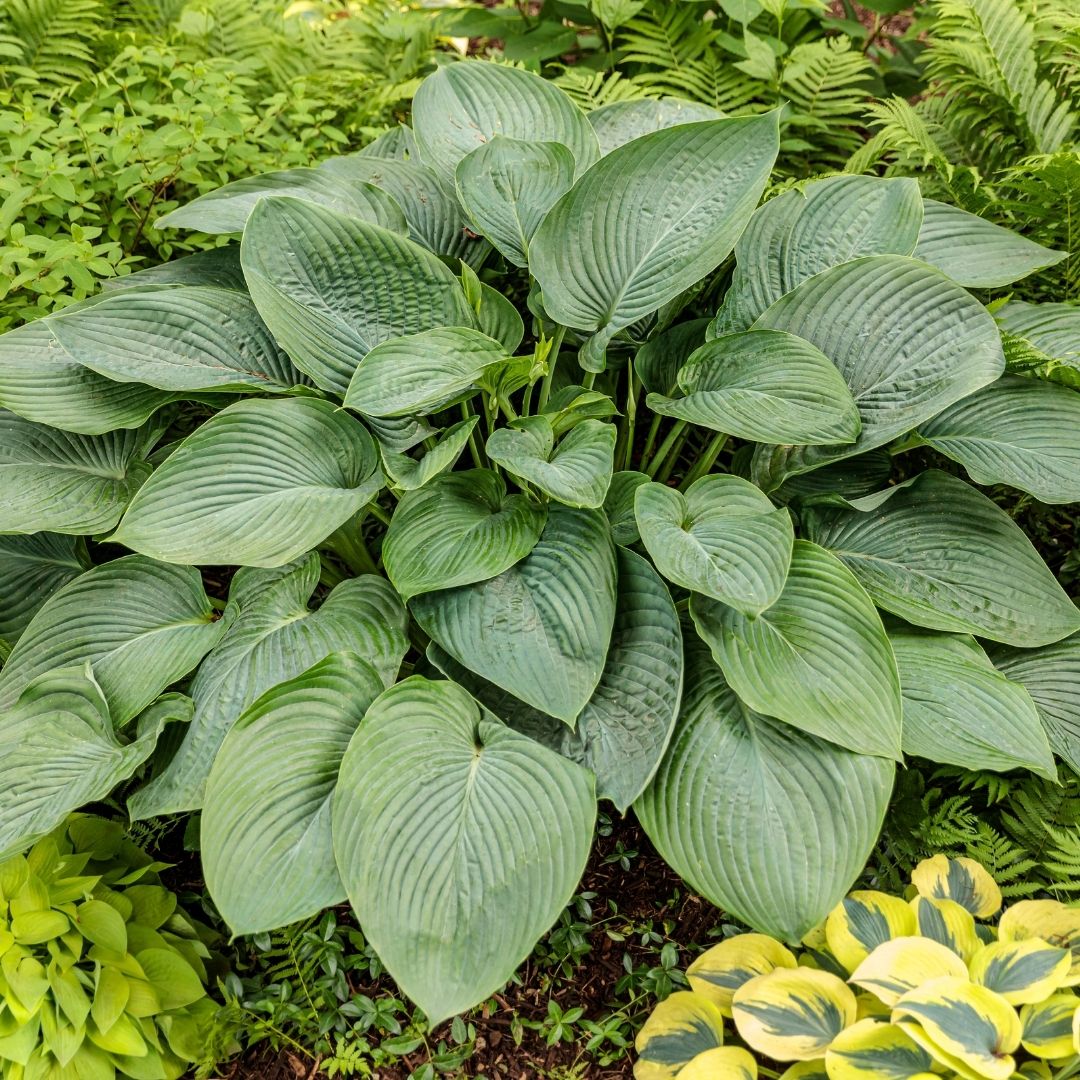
(594,89)
(49,42)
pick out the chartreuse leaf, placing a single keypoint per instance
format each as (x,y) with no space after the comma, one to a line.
(459,529)
(141,624)
(723,538)
(871,1050)
(862,921)
(975,252)
(411,473)
(964,881)
(273,637)
(1048,1026)
(331,288)
(1048,920)
(792,1014)
(949,924)
(648,221)
(898,965)
(458,841)
(541,629)
(721,1063)
(1018,431)
(577,471)
(1022,972)
(765,386)
(682,1027)
(623,121)
(718,972)
(965,1027)
(818,658)
(764,820)
(960,710)
(258,484)
(939,553)
(268,797)
(32,568)
(806,1070)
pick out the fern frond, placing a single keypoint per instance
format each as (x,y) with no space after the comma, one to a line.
(54,39)
(594,89)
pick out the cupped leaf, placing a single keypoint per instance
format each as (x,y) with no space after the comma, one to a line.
(763,820)
(623,121)
(681,1028)
(818,658)
(722,1063)
(412,473)
(723,538)
(141,625)
(577,472)
(862,921)
(900,964)
(764,386)
(940,554)
(258,484)
(1022,972)
(541,629)
(870,1049)
(331,288)
(648,221)
(1048,1028)
(458,841)
(267,845)
(719,971)
(459,529)
(963,881)
(32,568)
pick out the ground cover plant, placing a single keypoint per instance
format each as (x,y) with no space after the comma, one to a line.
(650,554)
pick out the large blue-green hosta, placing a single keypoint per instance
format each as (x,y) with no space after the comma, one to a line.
(533,506)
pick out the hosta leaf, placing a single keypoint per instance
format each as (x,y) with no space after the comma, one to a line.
(457,530)
(508,185)
(723,538)
(900,964)
(219,267)
(331,288)
(851,478)
(862,921)
(422,372)
(818,658)
(804,232)
(764,386)
(871,1048)
(273,637)
(412,473)
(1018,431)
(907,341)
(577,472)
(623,121)
(659,361)
(719,971)
(681,1028)
(32,568)
(649,221)
(183,338)
(1053,330)
(938,553)
(1022,972)
(141,624)
(540,629)
(763,820)
(463,106)
(63,482)
(962,880)
(572,404)
(1048,1028)
(624,729)
(619,505)
(499,319)
(959,710)
(721,1063)
(258,484)
(268,797)
(977,253)
(458,841)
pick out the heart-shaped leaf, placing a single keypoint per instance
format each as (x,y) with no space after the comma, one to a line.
(411,473)
(32,568)
(623,121)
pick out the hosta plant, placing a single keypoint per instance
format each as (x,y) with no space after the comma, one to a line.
(101,974)
(886,987)
(537,496)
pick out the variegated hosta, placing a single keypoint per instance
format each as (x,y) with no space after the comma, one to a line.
(885,989)
(522,521)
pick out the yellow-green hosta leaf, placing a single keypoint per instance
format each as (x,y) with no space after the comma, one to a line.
(1049,920)
(1022,972)
(806,1070)
(721,1063)
(1048,1026)
(870,1007)
(872,1050)
(37,927)
(862,921)
(793,1015)
(961,880)
(904,963)
(718,972)
(949,924)
(680,1028)
(1034,1070)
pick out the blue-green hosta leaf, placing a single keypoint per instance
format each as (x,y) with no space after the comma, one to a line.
(577,472)
(32,568)
(940,554)
(508,185)
(540,629)
(624,729)
(572,404)
(411,473)
(62,482)
(459,529)
(463,106)
(258,484)
(619,506)
(818,658)
(226,209)
(217,267)
(960,710)
(764,386)
(184,338)
(649,221)
(458,840)
(767,822)
(851,478)
(623,121)
(500,319)
(659,361)
(977,253)
(1052,331)
(273,637)
(422,373)
(907,340)
(331,288)
(804,232)
(141,624)
(1018,431)
(722,538)
(267,848)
